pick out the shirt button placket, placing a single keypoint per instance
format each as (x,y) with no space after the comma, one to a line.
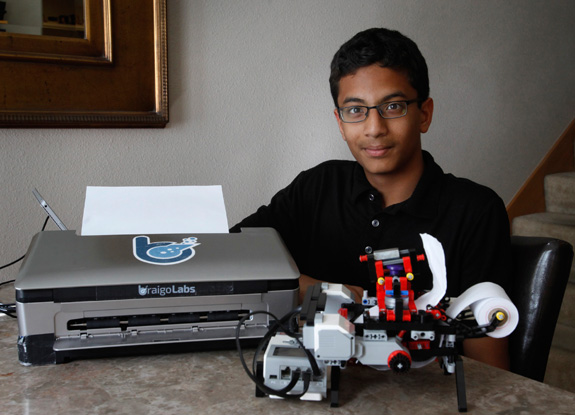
(374,223)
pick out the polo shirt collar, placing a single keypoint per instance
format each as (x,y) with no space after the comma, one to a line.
(423,201)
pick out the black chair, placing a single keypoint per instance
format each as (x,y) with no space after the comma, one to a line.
(541,268)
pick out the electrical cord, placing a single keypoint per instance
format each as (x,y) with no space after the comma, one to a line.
(12,263)
(263,343)
(10,309)
(296,375)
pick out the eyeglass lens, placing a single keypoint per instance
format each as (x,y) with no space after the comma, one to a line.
(386,110)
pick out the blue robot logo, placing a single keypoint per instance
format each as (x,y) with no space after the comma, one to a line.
(164,253)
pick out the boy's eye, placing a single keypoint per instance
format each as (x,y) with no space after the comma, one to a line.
(394,109)
(355,110)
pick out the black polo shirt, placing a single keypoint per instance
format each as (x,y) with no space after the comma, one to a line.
(330,215)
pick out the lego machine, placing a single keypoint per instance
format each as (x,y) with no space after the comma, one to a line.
(306,349)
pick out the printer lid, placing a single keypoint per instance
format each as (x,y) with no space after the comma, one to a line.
(62,259)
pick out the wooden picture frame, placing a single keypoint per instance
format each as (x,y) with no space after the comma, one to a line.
(116,77)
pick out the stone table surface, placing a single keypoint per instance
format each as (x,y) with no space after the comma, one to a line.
(214,382)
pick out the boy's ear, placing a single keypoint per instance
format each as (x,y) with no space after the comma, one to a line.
(426,112)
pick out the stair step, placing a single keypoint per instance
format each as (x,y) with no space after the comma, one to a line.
(549,224)
(560,192)
(564,337)
(561,369)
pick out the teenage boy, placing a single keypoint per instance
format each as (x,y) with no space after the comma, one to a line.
(394,191)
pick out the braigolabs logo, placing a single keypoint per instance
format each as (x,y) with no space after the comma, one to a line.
(162,291)
(164,253)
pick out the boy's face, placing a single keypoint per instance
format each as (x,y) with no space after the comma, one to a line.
(383,146)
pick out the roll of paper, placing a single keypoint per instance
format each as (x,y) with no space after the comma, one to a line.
(485,299)
(436,260)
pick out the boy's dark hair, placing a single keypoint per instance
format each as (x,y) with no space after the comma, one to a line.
(387,48)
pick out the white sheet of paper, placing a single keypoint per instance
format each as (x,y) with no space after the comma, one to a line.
(154,210)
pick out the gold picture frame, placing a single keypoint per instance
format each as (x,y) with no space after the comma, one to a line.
(116,77)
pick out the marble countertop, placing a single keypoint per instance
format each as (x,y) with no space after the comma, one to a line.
(215,383)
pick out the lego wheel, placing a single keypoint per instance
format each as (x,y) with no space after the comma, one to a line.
(399,361)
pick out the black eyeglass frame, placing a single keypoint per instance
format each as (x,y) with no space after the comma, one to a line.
(377,107)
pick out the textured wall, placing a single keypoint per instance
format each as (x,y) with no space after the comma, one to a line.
(250,104)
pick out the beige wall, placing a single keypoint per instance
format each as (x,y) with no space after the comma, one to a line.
(250,105)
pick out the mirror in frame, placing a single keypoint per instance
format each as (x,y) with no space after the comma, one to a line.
(115,77)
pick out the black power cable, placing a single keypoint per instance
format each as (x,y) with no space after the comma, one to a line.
(296,374)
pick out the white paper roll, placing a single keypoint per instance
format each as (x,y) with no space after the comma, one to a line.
(485,299)
(436,260)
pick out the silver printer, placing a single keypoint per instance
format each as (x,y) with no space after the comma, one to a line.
(93,296)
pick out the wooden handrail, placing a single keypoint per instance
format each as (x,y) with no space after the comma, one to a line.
(531,197)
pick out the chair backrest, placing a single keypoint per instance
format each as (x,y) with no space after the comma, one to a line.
(541,268)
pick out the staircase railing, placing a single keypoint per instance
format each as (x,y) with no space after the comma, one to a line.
(531,197)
